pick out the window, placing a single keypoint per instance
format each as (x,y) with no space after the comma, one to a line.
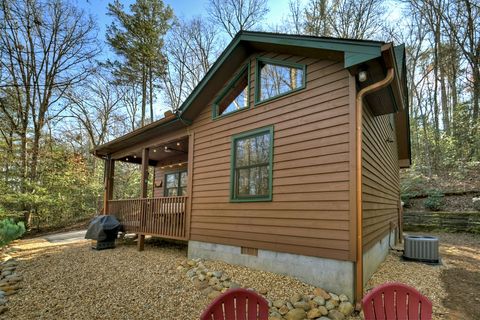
(235,97)
(251,175)
(277,78)
(176,184)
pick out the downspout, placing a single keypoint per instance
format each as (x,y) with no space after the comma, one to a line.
(358,151)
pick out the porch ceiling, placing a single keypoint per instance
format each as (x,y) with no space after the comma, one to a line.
(159,153)
(140,138)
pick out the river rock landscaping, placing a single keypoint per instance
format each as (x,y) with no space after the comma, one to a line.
(317,304)
(10,281)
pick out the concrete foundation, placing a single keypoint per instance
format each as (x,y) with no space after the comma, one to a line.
(375,255)
(332,275)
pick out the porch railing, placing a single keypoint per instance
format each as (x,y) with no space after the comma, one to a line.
(164,217)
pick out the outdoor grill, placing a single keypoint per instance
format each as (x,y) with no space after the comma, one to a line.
(103,230)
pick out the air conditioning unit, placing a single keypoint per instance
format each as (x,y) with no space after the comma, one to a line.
(421,248)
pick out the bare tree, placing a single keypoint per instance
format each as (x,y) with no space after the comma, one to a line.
(295,16)
(191,47)
(47,47)
(236,15)
(360,19)
(131,103)
(94,107)
(317,18)
(463,20)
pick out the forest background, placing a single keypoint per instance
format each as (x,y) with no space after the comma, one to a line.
(61,95)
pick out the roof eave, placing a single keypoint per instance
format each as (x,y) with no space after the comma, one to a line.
(110,147)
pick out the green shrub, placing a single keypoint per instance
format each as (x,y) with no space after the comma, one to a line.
(407,200)
(435,200)
(9,231)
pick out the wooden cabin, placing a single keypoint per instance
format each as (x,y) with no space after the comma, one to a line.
(285,157)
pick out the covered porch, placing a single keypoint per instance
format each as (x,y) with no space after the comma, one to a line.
(163,208)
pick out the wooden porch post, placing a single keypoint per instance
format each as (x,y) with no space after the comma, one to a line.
(143,195)
(108,183)
(191,139)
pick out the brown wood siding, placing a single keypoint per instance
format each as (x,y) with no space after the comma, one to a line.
(380,177)
(310,213)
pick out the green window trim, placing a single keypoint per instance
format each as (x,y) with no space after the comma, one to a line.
(223,93)
(280,63)
(179,179)
(244,135)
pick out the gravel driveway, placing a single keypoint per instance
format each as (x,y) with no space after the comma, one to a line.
(69,280)
(66,279)
(72,281)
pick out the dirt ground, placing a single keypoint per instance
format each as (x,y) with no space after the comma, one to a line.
(452,286)
(461,256)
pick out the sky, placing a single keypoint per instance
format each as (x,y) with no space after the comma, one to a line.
(191,8)
(181,8)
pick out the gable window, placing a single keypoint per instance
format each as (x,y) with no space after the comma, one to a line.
(277,78)
(235,96)
(176,184)
(251,174)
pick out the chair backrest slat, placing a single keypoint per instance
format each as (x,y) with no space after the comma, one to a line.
(379,307)
(413,307)
(237,304)
(229,305)
(252,308)
(401,304)
(396,301)
(218,313)
(241,306)
(389,300)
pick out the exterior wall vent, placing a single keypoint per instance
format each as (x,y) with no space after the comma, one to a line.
(421,248)
(249,251)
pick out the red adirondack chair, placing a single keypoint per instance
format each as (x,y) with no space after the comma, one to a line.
(237,304)
(393,301)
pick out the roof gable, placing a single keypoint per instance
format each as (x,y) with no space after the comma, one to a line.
(352,52)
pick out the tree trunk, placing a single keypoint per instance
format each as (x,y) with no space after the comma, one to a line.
(443,92)
(452,82)
(23,161)
(144,95)
(475,118)
(150,82)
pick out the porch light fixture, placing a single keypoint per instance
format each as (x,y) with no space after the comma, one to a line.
(167,149)
(126,159)
(178,144)
(135,157)
(154,150)
(362,76)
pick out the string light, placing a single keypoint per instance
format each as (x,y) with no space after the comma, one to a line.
(171,165)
